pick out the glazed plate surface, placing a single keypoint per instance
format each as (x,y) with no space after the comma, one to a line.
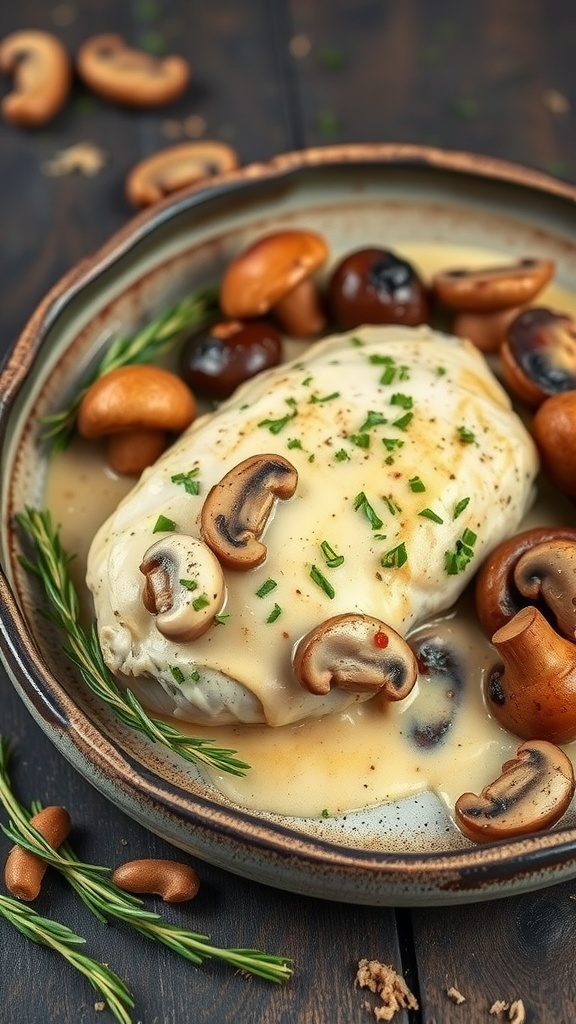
(420,202)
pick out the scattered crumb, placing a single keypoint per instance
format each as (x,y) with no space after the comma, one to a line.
(556,102)
(64,14)
(300,46)
(194,126)
(390,986)
(498,1007)
(455,995)
(123,842)
(517,1013)
(85,157)
(100,1007)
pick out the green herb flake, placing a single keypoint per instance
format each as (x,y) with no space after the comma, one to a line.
(356,341)
(377,360)
(389,461)
(195,676)
(460,507)
(201,602)
(391,505)
(321,581)
(307,381)
(360,440)
(416,484)
(164,525)
(341,455)
(403,373)
(395,558)
(392,443)
(317,400)
(188,481)
(332,559)
(361,504)
(428,513)
(221,620)
(177,673)
(389,375)
(441,371)
(373,419)
(275,426)
(456,561)
(466,436)
(188,584)
(294,442)
(324,813)
(404,401)
(404,422)
(276,611)
(267,587)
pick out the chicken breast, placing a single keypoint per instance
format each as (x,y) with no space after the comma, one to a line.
(411,466)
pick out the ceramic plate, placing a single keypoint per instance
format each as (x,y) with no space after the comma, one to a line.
(427,205)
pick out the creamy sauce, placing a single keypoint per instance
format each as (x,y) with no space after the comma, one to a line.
(441,738)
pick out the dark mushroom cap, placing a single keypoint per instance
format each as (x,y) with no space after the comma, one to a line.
(374,286)
(216,360)
(488,289)
(548,571)
(554,431)
(539,355)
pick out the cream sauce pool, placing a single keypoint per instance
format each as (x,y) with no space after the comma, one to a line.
(440,739)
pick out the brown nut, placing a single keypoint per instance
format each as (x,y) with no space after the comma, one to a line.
(130,77)
(488,289)
(554,431)
(24,871)
(237,508)
(497,596)
(275,275)
(487,331)
(132,399)
(175,168)
(534,692)
(539,355)
(355,652)
(173,881)
(532,793)
(184,586)
(42,77)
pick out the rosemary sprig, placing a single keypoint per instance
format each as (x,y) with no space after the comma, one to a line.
(107,902)
(51,567)
(62,940)
(154,339)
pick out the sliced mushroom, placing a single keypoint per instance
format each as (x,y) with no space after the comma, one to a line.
(497,595)
(487,331)
(237,509)
(539,355)
(534,692)
(554,431)
(355,652)
(175,168)
(131,77)
(275,274)
(532,793)
(487,289)
(548,571)
(184,586)
(42,77)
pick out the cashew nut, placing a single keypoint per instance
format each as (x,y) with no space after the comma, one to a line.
(42,77)
(237,508)
(184,586)
(173,881)
(24,871)
(175,168)
(131,77)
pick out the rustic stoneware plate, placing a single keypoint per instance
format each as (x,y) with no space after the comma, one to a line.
(423,202)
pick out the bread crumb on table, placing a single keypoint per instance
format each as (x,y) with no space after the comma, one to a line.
(85,157)
(455,995)
(390,986)
(516,1010)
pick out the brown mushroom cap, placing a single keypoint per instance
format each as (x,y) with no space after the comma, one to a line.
(42,77)
(548,571)
(184,586)
(488,289)
(533,792)
(136,397)
(355,652)
(497,596)
(273,266)
(538,355)
(131,77)
(237,509)
(554,431)
(176,167)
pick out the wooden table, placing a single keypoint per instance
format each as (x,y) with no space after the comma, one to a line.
(496,76)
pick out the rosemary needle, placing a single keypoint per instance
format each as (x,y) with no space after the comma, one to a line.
(106,901)
(153,339)
(64,941)
(50,564)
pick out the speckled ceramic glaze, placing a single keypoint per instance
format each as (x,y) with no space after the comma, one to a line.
(406,853)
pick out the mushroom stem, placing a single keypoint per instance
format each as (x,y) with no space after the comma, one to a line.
(300,313)
(536,695)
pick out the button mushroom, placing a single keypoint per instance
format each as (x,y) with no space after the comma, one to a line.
(275,274)
(355,652)
(135,407)
(554,431)
(184,586)
(130,77)
(497,594)
(237,509)
(534,692)
(548,571)
(533,792)
(539,355)
(374,286)
(488,289)
(175,168)
(487,331)
(42,77)
(218,359)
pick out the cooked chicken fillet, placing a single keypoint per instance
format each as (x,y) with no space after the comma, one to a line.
(411,467)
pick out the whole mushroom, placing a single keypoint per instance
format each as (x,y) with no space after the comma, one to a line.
(216,360)
(135,407)
(375,286)
(554,431)
(276,275)
(539,355)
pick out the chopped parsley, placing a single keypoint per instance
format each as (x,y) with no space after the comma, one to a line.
(188,584)
(456,561)
(307,381)
(177,673)
(201,602)
(404,401)
(188,481)
(404,422)
(373,419)
(392,443)
(361,504)
(466,436)
(316,400)
(395,558)
(294,442)
(321,581)
(460,506)
(332,559)
(275,426)
(441,371)
(341,455)
(164,525)
(360,440)
(276,611)
(415,484)
(195,676)
(428,513)
(356,341)
(391,505)
(267,587)
(221,620)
